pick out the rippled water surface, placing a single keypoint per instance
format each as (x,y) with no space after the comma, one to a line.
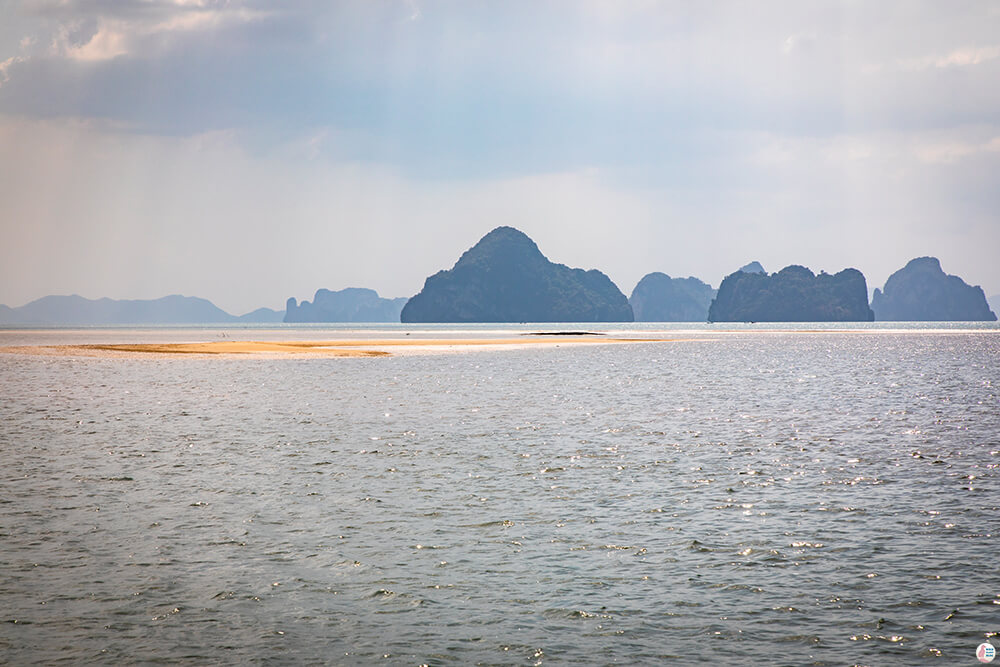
(785,498)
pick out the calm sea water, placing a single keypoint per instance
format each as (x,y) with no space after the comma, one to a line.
(749,497)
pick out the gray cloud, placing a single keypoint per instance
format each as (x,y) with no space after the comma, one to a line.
(555,82)
(827,133)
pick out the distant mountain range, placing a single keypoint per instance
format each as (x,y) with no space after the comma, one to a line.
(505,278)
(173,309)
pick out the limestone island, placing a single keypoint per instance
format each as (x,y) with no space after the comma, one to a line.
(922,292)
(352,304)
(660,298)
(506,278)
(794,294)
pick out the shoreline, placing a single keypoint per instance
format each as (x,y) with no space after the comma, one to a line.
(314,349)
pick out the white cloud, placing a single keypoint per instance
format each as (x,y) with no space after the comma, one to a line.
(110,41)
(951,151)
(206,20)
(963,57)
(968,56)
(414,10)
(116,36)
(6,65)
(628,136)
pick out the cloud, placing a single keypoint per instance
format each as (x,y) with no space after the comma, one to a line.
(946,152)
(108,41)
(659,126)
(414,8)
(448,87)
(963,57)
(968,56)
(109,35)
(6,65)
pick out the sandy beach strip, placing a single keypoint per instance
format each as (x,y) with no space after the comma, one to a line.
(314,349)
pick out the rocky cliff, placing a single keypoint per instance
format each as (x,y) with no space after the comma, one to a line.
(506,278)
(921,291)
(793,294)
(660,298)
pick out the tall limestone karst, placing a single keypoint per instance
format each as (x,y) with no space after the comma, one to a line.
(505,278)
(660,298)
(922,292)
(793,294)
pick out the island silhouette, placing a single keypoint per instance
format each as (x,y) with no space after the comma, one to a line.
(504,277)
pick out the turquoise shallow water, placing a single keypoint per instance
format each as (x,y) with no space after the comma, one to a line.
(739,497)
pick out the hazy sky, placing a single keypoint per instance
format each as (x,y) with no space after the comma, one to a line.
(248,151)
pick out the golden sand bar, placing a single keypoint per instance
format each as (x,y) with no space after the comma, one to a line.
(316,348)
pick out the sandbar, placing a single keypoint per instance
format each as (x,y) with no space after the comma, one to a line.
(314,348)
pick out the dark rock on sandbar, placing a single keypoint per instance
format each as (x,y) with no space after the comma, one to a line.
(563,333)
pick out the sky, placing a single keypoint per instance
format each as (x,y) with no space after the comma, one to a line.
(250,151)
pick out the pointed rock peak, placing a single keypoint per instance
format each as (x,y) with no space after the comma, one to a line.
(507,233)
(753,267)
(926,264)
(502,242)
(506,278)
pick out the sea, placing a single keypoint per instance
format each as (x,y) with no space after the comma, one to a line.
(743,494)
